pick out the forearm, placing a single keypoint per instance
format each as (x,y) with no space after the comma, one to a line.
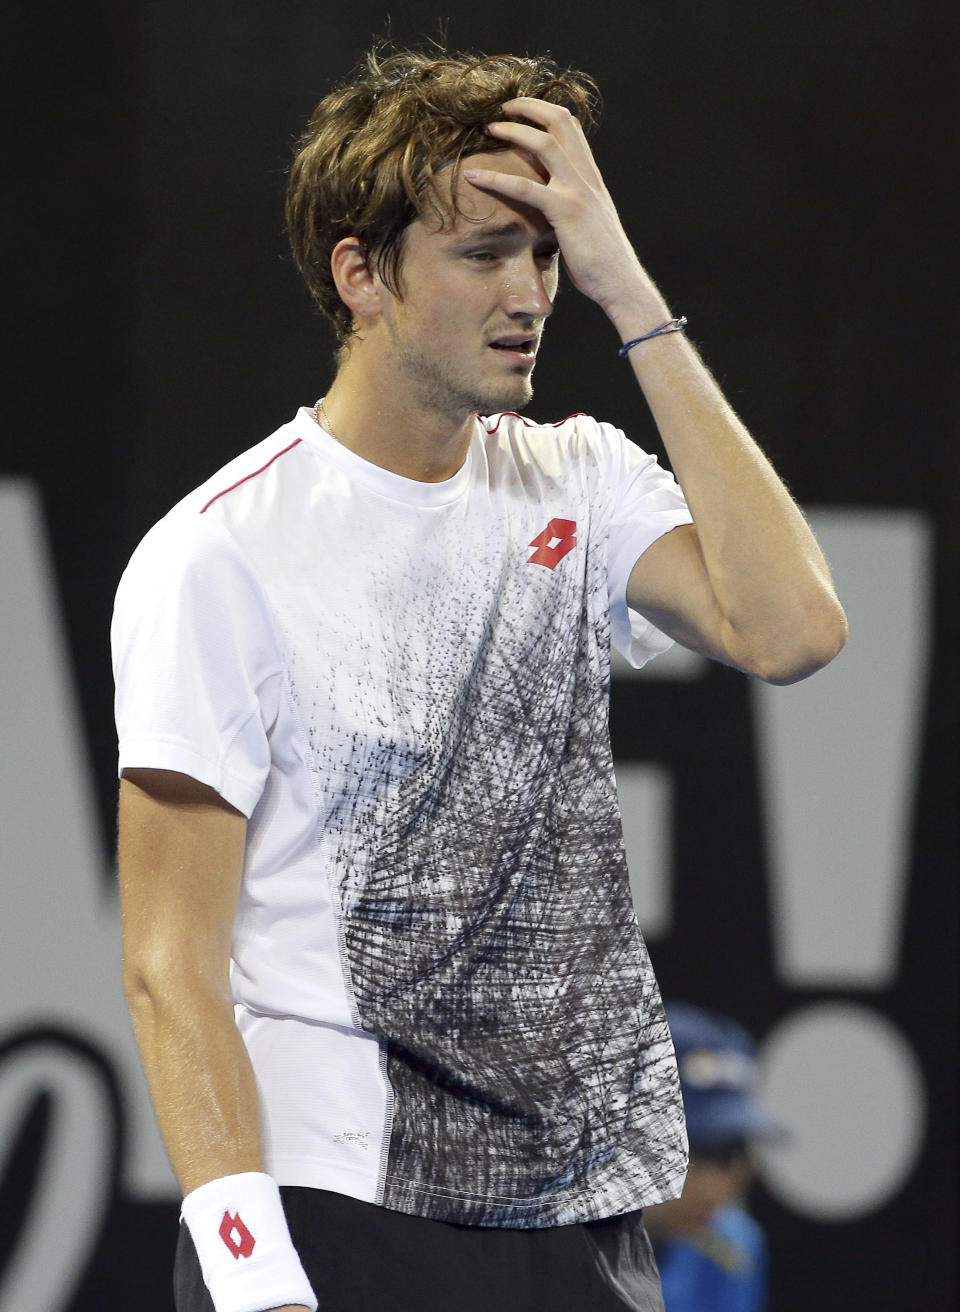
(777,608)
(205,1097)
(200,1078)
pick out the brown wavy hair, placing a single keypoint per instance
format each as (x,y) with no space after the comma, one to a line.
(366,162)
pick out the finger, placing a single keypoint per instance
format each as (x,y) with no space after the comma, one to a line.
(553,118)
(510,185)
(565,156)
(541,145)
(556,120)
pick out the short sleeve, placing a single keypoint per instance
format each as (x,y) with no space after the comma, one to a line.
(195,661)
(646,503)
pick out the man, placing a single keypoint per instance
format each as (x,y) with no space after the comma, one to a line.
(378,936)
(712,1255)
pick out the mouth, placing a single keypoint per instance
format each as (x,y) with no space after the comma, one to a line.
(517,349)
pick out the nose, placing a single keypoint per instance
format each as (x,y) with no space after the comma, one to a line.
(527,294)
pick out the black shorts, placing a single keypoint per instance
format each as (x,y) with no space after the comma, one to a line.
(362,1258)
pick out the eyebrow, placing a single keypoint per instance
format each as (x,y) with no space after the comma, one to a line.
(493,231)
(511,229)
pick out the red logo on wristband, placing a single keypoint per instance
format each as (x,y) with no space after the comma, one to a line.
(559,537)
(236,1236)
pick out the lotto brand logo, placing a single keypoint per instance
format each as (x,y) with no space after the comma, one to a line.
(556,540)
(236,1236)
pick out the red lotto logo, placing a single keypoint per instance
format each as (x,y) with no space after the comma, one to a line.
(559,537)
(236,1236)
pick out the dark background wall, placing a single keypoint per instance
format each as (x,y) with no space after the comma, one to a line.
(783,170)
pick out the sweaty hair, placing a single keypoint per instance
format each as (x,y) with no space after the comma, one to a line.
(365,164)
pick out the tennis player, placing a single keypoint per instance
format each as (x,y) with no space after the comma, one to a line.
(402,1034)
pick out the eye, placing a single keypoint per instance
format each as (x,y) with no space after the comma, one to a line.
(482,257)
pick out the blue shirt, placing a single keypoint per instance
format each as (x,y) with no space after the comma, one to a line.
(722,1269)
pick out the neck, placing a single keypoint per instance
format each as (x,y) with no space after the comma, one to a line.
(385,424)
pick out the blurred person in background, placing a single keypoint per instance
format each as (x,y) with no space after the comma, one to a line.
(711,1252)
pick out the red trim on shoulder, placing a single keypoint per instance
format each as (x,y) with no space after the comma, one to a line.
(529,423)
(246,478)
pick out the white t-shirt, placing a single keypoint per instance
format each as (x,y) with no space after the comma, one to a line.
(404,687)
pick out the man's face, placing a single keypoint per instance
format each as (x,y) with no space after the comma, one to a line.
(476,290)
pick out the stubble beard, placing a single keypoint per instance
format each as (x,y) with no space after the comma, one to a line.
(441,391)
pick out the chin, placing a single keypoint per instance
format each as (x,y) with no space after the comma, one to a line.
(516,397)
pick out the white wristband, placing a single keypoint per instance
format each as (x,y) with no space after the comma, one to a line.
(240,1233)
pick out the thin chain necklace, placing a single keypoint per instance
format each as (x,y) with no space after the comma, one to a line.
(323,420)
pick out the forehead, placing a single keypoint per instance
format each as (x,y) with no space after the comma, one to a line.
(475,209)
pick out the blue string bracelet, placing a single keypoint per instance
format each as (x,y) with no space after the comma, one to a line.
(671,326)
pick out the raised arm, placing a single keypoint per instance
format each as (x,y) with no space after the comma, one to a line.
(180,862)
(747,583)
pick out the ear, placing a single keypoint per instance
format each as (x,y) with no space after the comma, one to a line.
(356,279)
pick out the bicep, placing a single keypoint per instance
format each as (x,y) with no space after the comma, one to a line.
(180,862)
(669,585)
